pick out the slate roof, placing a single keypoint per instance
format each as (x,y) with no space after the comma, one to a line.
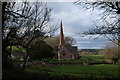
(72,49)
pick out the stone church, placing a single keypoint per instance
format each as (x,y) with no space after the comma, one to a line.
(66,52)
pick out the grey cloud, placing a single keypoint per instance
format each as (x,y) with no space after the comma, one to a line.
(76,20)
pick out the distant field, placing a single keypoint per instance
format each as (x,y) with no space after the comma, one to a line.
(95,58)
(92,58)
(94,71)
(90,50)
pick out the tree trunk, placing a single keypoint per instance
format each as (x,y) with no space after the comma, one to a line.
(25,59)
(24,64)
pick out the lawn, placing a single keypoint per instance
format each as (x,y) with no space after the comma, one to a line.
(92,58)
(80,71)
(91,71)
(68,71)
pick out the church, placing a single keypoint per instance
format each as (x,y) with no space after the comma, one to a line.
(66,52)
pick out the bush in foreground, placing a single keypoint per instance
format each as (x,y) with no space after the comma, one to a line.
(39,50)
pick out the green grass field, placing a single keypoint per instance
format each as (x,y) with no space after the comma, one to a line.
(82,71)
(94,71)
(95,59)
(92,58)
(69,71)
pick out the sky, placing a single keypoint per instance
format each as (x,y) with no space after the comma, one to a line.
(76,19)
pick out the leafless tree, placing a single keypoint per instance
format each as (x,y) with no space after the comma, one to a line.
(109,10)
(23,22)
(110,51)
(54,41)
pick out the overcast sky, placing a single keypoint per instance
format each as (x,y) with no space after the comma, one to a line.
(75,19)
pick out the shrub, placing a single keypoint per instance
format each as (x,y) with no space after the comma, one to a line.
(112,53)
(39,50)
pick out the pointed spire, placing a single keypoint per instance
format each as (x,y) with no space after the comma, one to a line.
(61,34)
(61,29)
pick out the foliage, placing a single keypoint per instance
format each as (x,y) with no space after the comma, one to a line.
(40,50)
(53,41)
(15,48)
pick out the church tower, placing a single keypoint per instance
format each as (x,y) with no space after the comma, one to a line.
(61,42)
(65,52)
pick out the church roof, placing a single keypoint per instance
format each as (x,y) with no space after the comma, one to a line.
(72,49)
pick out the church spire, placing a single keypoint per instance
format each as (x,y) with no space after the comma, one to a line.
(61,35)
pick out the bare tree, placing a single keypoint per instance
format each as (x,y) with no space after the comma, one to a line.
(109,10)
(23,22)
(54,41)
(111,52)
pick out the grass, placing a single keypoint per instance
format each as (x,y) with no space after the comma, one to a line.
(95,58)
(80,71)
(70,72)
(83,58)
(94,71)
(14,48)
(92,58)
